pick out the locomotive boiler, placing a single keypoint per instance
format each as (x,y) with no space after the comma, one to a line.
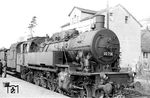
(77,64)
(100,47)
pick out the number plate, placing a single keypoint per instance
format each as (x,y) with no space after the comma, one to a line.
(108,53)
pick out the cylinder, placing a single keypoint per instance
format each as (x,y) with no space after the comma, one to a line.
(99,21)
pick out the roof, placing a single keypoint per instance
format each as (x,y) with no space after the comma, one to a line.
(84,10)
(14,46)
(86,18)
(3,49)
(145,40)
(67,24)
(37,40)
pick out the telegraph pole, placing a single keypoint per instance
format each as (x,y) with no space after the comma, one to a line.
(107,14)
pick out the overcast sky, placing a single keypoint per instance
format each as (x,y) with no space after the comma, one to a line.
(15,15)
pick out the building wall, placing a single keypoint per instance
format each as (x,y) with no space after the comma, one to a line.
(81,26)
(75,16)
(127,30)
(75,21)
(129,36)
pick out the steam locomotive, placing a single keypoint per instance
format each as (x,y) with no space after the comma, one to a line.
(77,64)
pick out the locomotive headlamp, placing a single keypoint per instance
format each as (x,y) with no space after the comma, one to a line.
(132,74)
(104,76)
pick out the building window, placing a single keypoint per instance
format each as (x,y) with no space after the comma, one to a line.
(110,14)
(145,54)
(126,19)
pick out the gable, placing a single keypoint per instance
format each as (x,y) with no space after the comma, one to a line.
(119,6)
(83,10)
(75,16)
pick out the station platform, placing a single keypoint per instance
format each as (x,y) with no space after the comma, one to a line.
(21,89)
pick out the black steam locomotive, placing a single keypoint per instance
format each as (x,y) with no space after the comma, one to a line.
(77,64)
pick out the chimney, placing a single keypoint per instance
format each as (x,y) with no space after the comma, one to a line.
(99,21)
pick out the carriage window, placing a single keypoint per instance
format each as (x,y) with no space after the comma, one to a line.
(33,47)
(19,49)
(24,48)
